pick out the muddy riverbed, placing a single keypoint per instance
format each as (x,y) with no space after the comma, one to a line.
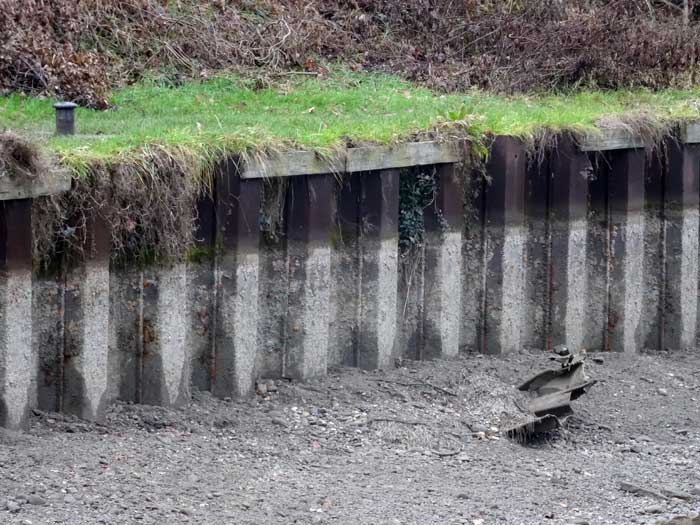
(419,444)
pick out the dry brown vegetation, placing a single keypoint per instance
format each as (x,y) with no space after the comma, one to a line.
(147,202)
(19,158)
(80,49)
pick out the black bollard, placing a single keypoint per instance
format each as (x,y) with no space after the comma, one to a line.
(65,118)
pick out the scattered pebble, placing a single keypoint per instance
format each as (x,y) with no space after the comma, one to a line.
(280,422)
(33,499)
(222,460)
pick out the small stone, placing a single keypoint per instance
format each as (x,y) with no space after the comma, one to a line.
(598,359)
(68,499)
(12,506)
(279,422)
(662,392)
(580,522)
(33,499)
(271,386)
(25,522)
(261,389)
(695,490)
(654,509)
(463,496)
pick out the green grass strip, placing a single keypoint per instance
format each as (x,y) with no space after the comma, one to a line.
(232,114)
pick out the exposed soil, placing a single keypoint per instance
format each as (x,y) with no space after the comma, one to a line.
(416,445)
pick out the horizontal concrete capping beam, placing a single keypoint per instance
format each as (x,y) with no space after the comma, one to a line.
(607,139)
(353,160)
(13,189)
(691,133)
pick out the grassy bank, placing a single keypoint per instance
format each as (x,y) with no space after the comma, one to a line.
(144,162)
(239,115)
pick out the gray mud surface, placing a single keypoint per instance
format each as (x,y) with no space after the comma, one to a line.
(419,444)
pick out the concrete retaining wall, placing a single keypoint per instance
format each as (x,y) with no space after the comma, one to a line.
(594,249)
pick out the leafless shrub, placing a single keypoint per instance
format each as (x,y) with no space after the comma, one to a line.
(80,49)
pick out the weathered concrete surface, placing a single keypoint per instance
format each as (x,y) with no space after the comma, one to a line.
(626,226)
(571,171)
(410,303)
(15,188)
(442,300)
(202,298)
(126,331)
(309,220)
(682,193)
(165,371)
(535,333)
(86,375)
(595,323)
(272,302)
(47,339)
(654,240)
(379,254)
(345,293)
(473,283)
(354,160)
(17,356)
(598,251)
(504,246)
(237,332)
(237,280)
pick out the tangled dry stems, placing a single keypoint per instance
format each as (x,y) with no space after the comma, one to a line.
(80,49)
(148,204)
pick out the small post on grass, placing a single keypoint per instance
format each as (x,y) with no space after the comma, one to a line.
(65,118)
